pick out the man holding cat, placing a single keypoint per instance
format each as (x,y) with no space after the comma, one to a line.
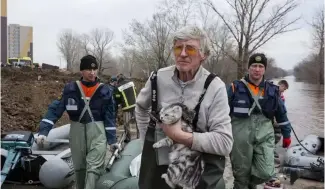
(184,83)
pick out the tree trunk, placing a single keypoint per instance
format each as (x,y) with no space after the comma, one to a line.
(321,65)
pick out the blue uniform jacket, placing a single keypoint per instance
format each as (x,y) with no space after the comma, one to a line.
(102,106)
(280,112)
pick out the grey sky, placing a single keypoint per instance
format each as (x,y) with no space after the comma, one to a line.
(49,17)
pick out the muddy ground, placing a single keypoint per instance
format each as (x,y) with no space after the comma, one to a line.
(26,94)
(24,98)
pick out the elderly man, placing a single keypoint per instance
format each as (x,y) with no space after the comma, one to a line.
(184,83)
(90,106)
(254,103)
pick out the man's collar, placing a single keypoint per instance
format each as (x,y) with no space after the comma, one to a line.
(262,84)
(197,75)
(90,84)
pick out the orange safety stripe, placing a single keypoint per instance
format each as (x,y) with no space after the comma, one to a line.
(89,91)
(253,88)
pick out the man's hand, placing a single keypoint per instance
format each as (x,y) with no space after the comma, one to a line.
(41,140)
(175,132)
(286,142)
(115,146)
(172,130)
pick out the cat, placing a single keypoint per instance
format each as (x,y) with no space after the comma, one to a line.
(186,166)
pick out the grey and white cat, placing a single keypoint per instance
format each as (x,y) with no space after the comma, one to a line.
(186,166)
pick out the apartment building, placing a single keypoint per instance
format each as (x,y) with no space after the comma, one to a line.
(20,41)
(3,31)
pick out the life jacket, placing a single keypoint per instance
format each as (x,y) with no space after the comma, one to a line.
(242,100)
(128,95)
(100,95)
(282,97)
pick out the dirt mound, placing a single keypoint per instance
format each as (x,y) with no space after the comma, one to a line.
(26,94)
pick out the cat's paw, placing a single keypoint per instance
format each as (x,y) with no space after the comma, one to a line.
(156,145)
(169,183)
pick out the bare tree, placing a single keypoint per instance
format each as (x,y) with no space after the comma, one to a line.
(179,12)
(127,61)
(307,70)
(318,35)
(151,40)
(311,69)
(250,26)
(98,44)
(84,43)
(68,44)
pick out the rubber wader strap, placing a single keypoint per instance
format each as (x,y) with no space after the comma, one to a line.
(154,98)
(197,107)
(256,103)
(86,100)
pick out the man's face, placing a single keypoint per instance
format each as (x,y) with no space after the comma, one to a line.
(89,75)
(187,55)
(282,88)
(256,71)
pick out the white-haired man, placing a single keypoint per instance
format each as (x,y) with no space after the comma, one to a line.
(185,82)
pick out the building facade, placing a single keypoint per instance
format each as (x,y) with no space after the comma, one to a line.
(20,41)
(3,31)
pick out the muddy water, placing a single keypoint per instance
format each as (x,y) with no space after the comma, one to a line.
(305,106)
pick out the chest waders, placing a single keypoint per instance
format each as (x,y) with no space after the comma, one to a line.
(88,145)
(150,171)
(252,155)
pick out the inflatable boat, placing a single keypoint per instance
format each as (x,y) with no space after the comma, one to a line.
(23,162)
(303,160)
(123,173)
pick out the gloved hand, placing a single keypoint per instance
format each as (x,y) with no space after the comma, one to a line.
(41,140)
(286,142)
(115,146)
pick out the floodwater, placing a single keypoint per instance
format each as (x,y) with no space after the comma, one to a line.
(305,107)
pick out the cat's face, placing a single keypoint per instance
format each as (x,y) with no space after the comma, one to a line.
(170,114)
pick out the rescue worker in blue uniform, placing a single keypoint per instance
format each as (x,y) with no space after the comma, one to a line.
(91,109)
(116,93)
(254,103)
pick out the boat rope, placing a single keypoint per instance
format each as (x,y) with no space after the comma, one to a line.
(300,142)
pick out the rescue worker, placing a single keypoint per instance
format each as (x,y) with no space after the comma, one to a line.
(116,94)
(254,103)
(185,82)
(128,95)
(90,106)
(283,86)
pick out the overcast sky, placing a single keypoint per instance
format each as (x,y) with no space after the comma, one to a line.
(49,17)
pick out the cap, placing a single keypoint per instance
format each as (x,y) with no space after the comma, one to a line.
(257,58)
(113,79)
(88,62)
